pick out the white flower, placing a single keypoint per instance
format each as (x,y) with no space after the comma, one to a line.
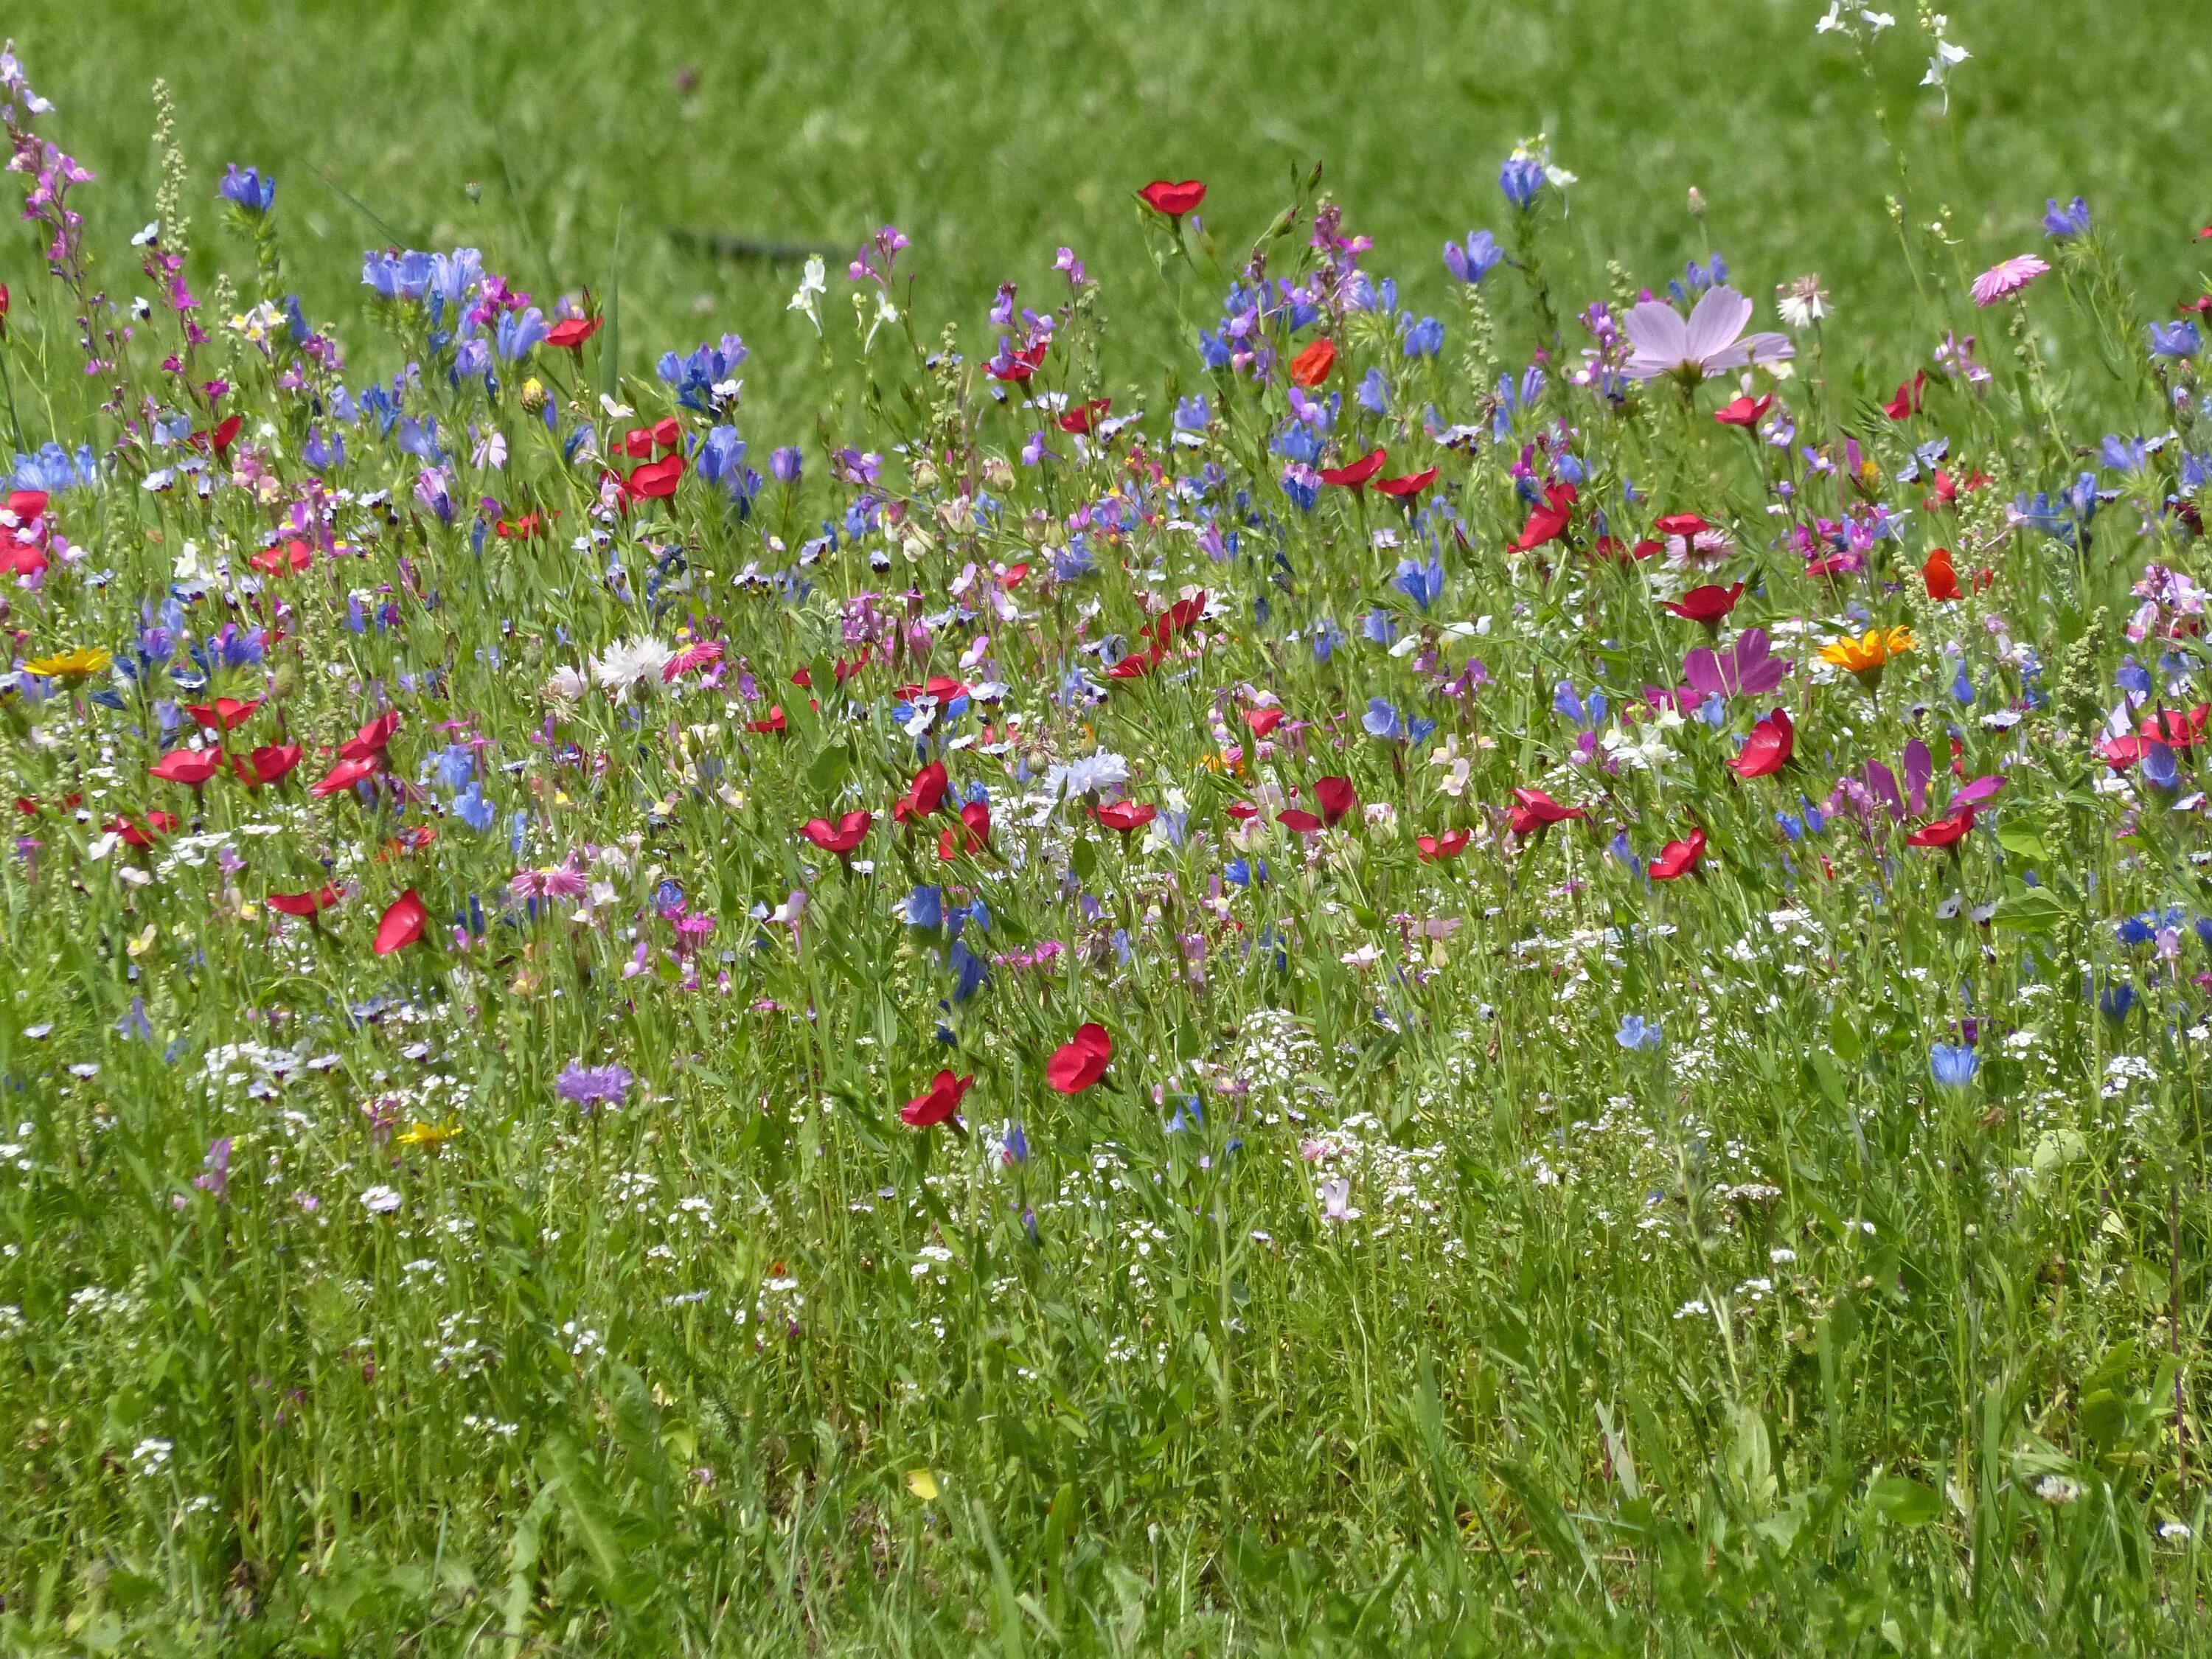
(811,287)
(1336,1201)
(1082,777)
(379,1201)
(630,663)
(2058,1489)
(1802,303)
(1705,345)
(567,685)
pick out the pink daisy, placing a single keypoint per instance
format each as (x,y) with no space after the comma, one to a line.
(2007,278)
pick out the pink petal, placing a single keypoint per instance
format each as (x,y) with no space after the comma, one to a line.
(1719,318)
(1658,335)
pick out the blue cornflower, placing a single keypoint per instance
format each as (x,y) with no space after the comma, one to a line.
(1638,1034)
(1476,259)
(1953,1065)
(247,189)
(592,1085)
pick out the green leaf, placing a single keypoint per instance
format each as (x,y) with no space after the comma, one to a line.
(2022,841)
(1083,856)
(1908,1501)
(2035,911)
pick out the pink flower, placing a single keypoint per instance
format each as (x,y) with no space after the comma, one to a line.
(2007,278)
(1705,345)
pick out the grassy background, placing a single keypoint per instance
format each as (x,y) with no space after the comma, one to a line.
(992,130)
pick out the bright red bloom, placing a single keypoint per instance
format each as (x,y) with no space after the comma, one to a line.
(1677,858)
(1356,475)
(141,834)
(223,713)
(269,763)
(1685,525)
(342,776)
(1448,845)
(1908,400)
(840,837)
(369,742)
(1084,417)
(1077,1064)
(1137,664)
(1941,579)
(1533,809)
(655,480)
(941,1100)
(403,924)
(1263,720)
(1311,366)
(1944,832)
(188,766)
(923,796)
(570,332)
(1337,797)
(1126,815)
(774,722)
(1549,522)
(525,528)
(1243,810)
(642,442)
(1707,605)
(973,836)
(303,904)
(1024,363)
(1412,484)
(288,560)
(1293,817)
(2175,729)
(1768,749)
(28,506)
(224,435)
(1173,199)
(1744,411)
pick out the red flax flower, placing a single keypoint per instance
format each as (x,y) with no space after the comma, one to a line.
(640,443)
(1081,418)
(270,763)
(1127,815)
(973,836)
(403,924)
(1355,476)
(1944,832)
(941,1100)
(288,560)
(655,480)
(570,332)
(1173,200)
(1337,797)
(1311,366)
(141,834)
(342,777)
(1942,579)
(1685,525)
(223,713)
(303,904)
(1077,1064)
(1706,605)
(1407,487)
(840,837)
(2175,729)
(1743,411)
(1448,845)
(1767,750)
(188,766)
(1906,403)
(1549,522)
(1677,858)
(774,722)
(370,742)
(1263,720)
(923,796)
(1533,810)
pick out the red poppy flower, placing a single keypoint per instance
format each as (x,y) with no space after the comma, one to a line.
(1243,810)
(1944,832)
(1021,365)
(774,722)
(303,904)
(224,435)
(1549,522)
(28,506)
(1177,617)
(189,766)
(655,480)
(1311,366)
(403,924)
(1685,525)
(1356,475)
(288,560)
(1263,720)
(1412,484)
(2175,729)
(1448,845)
(269,763)
(1126,815)
(342,777)
(1707,605)
(1077,1064)
(973,836)
(1293,817)
(1336,796)
(941,1100)
(223,713)
(141,834)
(1677,858)
(840,837)
(1743,411)
(1533,809)
(1136,665)
(1767,750)
(570,332)
(1084,417)
(1173,199)
(642,442)
(1941,579)
(369,742)
(1908,400)
(923,796)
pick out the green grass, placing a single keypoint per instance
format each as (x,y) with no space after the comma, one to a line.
(1765,1342)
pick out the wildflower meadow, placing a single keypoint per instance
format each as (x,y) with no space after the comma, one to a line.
(1486,953)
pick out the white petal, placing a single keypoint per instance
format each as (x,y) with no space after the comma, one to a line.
(1657,333)
(1719,318)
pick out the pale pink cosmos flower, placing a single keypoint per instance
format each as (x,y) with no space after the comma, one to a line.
(2007,278)
(1707,344)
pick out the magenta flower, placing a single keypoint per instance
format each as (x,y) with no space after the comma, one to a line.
(2007,278)
(1705,345)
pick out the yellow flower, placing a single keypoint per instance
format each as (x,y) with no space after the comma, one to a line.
(1867,656)
(78,663)
(923,1484)
(433,1135)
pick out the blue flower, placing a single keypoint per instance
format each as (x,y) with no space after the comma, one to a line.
(2063,224)
(1639,1034)
(1193,414)
(1423,584)
(722,465)
(2115,1000)
(2178,339)
(695,377)
(1383,720)
(520,333)
(1239,874)
(2159,770)
(54,470)
(1424,339)
(2125,454)
(1521,179)
(247,189)
(1374,393)
(473,810)
(456,766)
(1953,1065)
(1326,636)
(1475,260)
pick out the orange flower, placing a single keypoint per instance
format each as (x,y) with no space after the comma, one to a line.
(1311,366)
(1865,657)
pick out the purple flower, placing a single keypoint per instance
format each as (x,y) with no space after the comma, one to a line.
(1521,179)
(2063,224)
(1705,345)
(246,189)
(1476,259)
(785,464)
(214,1170)
(592,1085)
